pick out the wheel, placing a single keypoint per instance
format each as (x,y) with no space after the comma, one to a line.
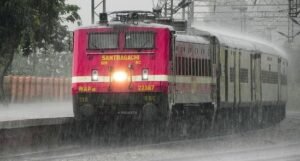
(76,111)
(260,116)
(149,112)
(82,112)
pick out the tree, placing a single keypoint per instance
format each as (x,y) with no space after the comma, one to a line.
(30,24)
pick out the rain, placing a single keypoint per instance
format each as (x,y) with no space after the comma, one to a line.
(142,80)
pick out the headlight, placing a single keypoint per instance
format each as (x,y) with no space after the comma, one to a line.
(94,75)
(145,74)
(119,76)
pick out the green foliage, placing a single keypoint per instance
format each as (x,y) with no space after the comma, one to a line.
(29,25)
(35,21)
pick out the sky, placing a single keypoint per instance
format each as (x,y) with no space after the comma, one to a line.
(111,5)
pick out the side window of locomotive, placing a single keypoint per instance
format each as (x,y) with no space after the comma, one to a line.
(98,41)
(139,40)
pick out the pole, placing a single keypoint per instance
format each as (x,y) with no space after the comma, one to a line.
(104,6)
(166,8)
(190,14)
(92,11)
(171,9)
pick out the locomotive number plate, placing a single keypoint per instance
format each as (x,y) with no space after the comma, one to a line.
(145,88)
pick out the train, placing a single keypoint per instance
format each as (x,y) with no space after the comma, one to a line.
(139,67)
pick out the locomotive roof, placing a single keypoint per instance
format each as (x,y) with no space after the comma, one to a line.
(113,24)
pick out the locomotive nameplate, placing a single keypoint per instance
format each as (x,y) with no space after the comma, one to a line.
(106,58)
(120,57)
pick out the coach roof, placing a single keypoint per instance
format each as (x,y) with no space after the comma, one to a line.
(192,39)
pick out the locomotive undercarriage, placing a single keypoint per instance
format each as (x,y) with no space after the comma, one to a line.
(153,108)
(106,107)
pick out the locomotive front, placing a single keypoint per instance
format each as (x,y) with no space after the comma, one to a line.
(121,70)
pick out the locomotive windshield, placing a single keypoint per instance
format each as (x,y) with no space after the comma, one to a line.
(103,41)
(139,40)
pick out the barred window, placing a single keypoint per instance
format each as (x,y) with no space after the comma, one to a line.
(283,79)
(232,74)
(193,66)
(244,75)
(139,40)
(103,41)
(269,77)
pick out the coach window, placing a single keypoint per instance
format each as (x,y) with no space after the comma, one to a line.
(202,67)
(194,67)
(180,65)
(187,66)
(209,67)
(183,66)
(205,67)
(190,66)
(198,67)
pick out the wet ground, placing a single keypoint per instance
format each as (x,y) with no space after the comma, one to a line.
(280,142)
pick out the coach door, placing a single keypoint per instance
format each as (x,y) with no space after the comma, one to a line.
(215,50)
(226,75)
(279,80)
(223,75)
(256,78)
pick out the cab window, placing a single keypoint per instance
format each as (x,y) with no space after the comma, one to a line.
(139,40)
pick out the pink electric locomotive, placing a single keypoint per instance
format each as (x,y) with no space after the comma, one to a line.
(121,69)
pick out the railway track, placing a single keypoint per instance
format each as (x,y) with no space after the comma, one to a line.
(193,149)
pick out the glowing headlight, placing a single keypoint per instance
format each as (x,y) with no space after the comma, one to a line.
(119,76)
(94,75)
(145,74)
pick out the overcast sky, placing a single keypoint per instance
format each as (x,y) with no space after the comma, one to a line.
(112,5)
